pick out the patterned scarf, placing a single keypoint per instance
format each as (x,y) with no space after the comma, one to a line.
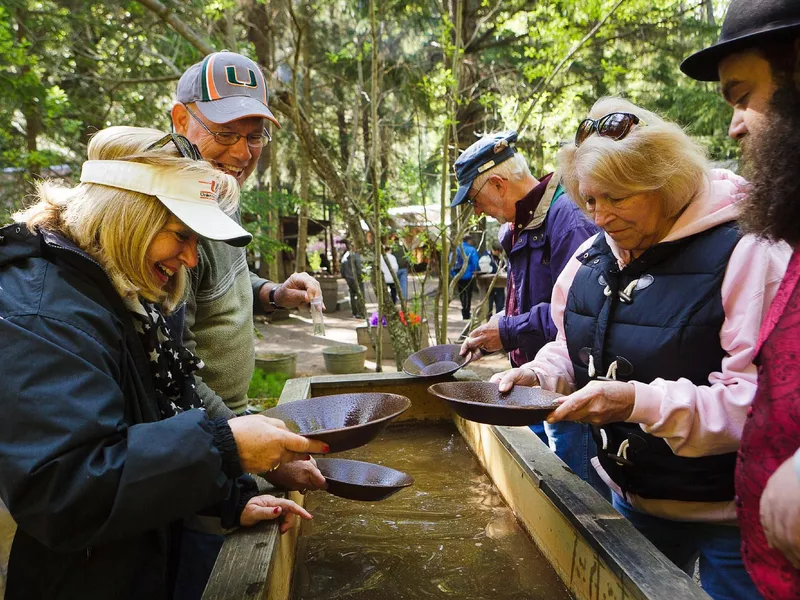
(171,365)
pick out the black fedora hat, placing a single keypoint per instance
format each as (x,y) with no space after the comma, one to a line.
(748,23)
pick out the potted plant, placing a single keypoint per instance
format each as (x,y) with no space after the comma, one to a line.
(365,334)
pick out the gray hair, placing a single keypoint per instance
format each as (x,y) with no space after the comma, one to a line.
(513,169)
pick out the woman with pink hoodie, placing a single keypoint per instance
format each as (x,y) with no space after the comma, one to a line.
(658,318)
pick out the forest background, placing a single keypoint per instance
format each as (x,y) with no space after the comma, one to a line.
(375,97)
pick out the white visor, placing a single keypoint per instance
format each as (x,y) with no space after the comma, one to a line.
(192,200)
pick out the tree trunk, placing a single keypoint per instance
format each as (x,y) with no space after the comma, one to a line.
(373,172)
(365,116)
(341,122)
(709,6)
(305,200)
(274,214)
(262,35)
(386,151)
(334,254)
(30,111)
(470,114)
(444,269)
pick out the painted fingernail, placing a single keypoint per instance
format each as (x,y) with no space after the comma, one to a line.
(327,448)
(276,510)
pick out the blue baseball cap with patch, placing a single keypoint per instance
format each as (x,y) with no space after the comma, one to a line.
(485,154)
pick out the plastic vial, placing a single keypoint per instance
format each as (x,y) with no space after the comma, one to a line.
(316,316)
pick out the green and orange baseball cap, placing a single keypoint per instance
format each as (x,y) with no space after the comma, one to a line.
(225,87)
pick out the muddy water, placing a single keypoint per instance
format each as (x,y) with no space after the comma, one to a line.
(450,535)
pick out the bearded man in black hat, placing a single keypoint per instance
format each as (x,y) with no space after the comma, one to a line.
(757,61)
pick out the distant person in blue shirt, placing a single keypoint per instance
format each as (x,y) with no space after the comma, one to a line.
(490,263)
(466,252)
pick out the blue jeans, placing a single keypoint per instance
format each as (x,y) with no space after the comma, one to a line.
(198,554)
(573,443)
(402,277)
(722,573)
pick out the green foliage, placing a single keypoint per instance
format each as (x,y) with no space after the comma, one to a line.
(72,67)
(266,388)
(5,214)
(314,262)
(255,207)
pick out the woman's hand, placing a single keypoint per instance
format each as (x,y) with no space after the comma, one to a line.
(598,403)
(266,508)
(264,444)
(520,376)
(301,475)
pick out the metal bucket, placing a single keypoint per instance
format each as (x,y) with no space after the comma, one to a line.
(284,363)
(345,358)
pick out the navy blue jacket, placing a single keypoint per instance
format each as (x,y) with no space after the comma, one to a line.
(91,475)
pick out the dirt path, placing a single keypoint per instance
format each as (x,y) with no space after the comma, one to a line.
(296,334)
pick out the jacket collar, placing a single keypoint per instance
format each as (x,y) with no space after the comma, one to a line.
(532,209)
(18,242)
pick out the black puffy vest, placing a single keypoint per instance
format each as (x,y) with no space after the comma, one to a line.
(665,325)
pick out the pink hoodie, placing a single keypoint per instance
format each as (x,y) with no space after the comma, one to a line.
(693,420)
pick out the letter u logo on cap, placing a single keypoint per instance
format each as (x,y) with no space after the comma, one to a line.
(233,78)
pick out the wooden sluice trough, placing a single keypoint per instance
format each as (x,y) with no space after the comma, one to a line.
(592,548)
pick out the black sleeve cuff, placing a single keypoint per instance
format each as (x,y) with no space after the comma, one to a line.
(243,490)
(258,308)
(225,443)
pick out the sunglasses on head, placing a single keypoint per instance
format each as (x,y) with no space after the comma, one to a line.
(185,148)
(614,125)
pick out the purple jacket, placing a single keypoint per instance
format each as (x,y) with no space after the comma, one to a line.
(536,259)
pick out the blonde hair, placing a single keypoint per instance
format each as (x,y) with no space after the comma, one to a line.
(655,156)
(115,226)
(514,169)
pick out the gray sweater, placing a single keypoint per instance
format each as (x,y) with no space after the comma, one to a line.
(219,326)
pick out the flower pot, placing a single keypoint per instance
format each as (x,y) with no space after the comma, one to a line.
(278,362)
(363,337)
(330,291)
(344,358)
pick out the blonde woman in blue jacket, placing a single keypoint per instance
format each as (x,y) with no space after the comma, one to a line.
(104,444)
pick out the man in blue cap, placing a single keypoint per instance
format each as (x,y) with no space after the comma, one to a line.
(542,229)
(757,62)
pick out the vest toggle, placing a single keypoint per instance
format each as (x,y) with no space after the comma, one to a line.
(621,457)
(626,295)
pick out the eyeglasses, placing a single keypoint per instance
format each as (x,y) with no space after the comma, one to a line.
(229,138)
(185,148)
(474,199)
(614,125)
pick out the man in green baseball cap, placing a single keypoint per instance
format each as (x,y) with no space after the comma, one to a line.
(221,107)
